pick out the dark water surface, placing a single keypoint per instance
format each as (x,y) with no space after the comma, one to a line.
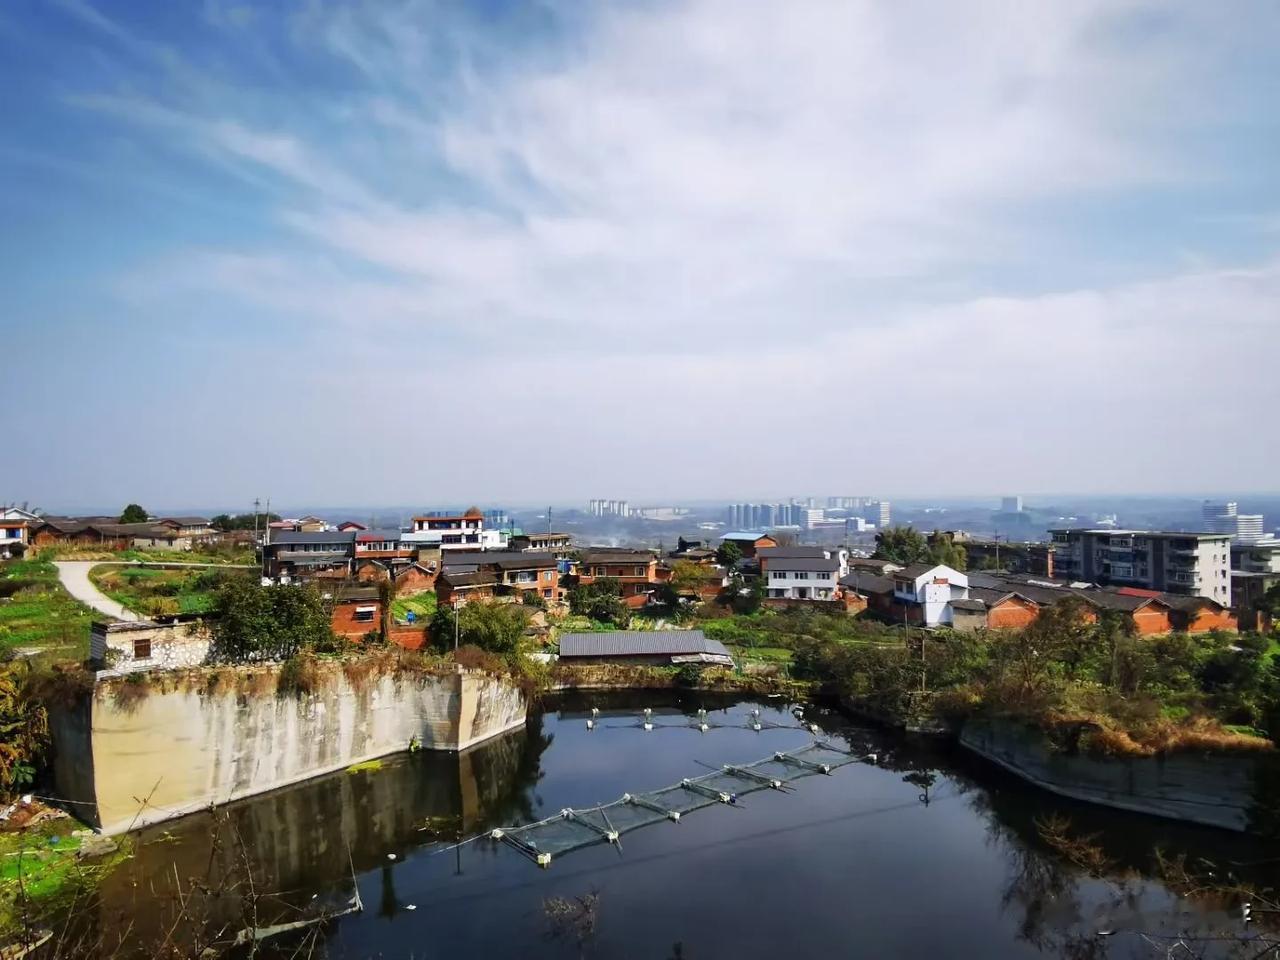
(924,855)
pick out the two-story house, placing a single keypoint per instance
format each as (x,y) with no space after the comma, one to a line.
(923,593)
(635,570)
(801,578)
(467,575)
(294,554)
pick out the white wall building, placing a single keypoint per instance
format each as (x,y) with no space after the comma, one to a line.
(803,578)
(462,532)
(930,588)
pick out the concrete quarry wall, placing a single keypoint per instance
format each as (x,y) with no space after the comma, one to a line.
(127,756)
(1213,789)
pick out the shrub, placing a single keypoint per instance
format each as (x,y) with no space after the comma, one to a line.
(299,676)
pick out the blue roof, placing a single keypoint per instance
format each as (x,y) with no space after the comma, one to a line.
(743,535)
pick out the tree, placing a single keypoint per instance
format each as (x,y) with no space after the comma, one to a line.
(601,600)
(268,623)
(488,624)
(901,545)
(728,554)
(133,514)
(24,729)
(945,550)
(688,577)
(242,521)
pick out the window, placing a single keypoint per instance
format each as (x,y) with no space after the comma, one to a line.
(599,571)
(142,648)
(364,614)
(547,576)
(638,572)
(548,592)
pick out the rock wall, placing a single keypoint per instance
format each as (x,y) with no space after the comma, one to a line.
(1213,789)
(137,754)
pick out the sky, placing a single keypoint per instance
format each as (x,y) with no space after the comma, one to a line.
(419,252)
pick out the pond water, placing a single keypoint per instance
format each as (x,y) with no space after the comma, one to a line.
(924,854)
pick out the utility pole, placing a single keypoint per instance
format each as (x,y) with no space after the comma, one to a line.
(548,521)
(256,504)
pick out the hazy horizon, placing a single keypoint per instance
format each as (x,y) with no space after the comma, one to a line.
(504,252)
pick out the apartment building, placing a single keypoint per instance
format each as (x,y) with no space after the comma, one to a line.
(1185,564)
(559,545)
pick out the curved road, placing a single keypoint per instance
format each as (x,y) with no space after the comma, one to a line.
(74,575)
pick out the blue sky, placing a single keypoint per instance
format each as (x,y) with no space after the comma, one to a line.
(422,252)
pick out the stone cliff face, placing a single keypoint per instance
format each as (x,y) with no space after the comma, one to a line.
(130,761)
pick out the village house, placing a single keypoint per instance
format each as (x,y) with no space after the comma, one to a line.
(192,528)
(379,554)
(635,570)
(121,648)
(465,531)
(295,554)
(559,545)
(800,577)
(347,526)
(307,524)
(923,593)
(496,574)
(748,542)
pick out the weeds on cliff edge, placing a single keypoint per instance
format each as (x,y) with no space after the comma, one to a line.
(299,676)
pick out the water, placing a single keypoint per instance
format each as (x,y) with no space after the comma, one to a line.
(925,854)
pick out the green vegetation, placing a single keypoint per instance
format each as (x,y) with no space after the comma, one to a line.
(35,611)
(230,554)
(242,521)
(42,864)
(905,545)
(133,513)
(268,623)
(157,591)
(1094,686)
(728,554)
(422,605)
(24,730)
(602,601)
(497,628)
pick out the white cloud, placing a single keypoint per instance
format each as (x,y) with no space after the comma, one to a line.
(682,203)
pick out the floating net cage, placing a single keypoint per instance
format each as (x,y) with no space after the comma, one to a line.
(573,829)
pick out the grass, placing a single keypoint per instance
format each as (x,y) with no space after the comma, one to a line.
(153,591)
(45,858)
(35,611)
(764,654)
(217,555)
(423,607)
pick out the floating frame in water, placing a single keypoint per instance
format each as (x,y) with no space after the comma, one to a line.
(576,828)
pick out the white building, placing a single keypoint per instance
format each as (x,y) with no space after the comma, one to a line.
(927,590)
(803,578)
(464,531)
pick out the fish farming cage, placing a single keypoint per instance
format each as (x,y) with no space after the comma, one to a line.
(574,829)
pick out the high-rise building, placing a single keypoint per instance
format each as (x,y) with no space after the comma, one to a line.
(1011,505)
(1225,517)
(1192,564)
(609,508)
(877,512)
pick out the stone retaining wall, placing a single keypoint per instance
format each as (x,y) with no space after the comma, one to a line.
(1213,789)
(136,753)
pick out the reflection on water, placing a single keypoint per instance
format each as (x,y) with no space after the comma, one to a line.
(927,854)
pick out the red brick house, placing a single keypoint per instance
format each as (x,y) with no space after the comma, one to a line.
(467,575)
(635,570)
(748,542)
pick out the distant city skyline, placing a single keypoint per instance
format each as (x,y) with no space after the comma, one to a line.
(497,252)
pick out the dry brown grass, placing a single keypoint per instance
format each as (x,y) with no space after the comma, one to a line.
(128,692)
(1104,735)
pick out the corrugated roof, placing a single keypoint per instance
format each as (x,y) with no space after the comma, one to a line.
(973,604)
(631,643)
(744,535)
